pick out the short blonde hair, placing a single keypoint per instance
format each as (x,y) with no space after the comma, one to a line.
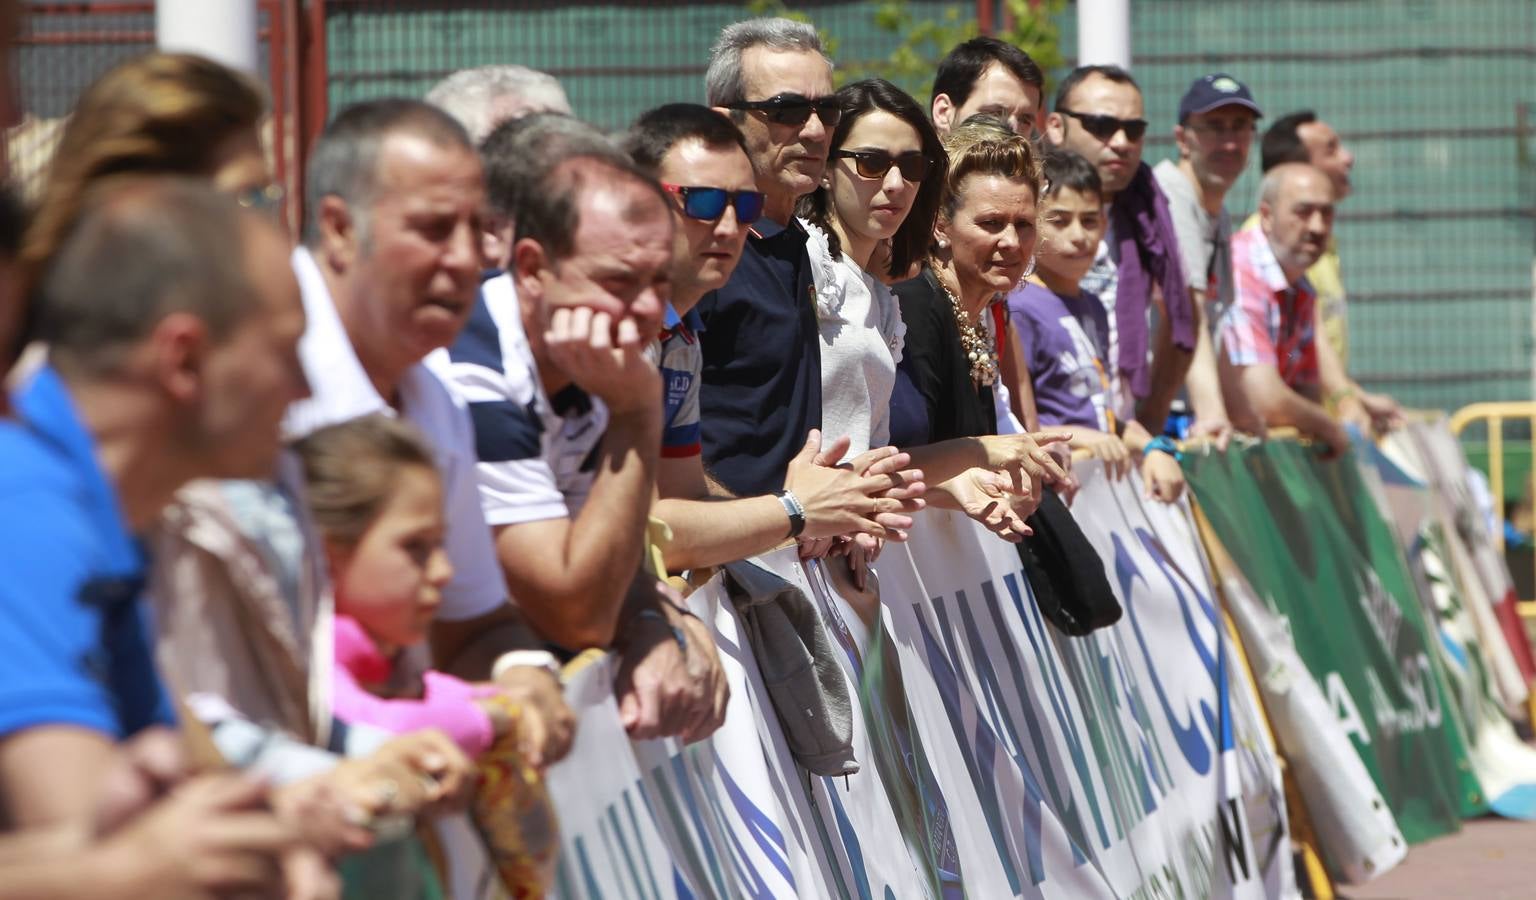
(983,145)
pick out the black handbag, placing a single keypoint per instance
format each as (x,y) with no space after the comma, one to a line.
(1065,571)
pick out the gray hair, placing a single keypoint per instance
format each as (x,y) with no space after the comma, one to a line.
(1278,175)
(345,160)
(470,96)
(163,244)
(519,155)
(724,83)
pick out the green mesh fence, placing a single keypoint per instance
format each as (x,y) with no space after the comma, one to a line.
(615,60)
(1435,98)
(62,48)
(1431,95)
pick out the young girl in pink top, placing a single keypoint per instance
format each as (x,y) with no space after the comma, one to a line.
(377,500)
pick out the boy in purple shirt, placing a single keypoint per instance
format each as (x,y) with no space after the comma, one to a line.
(1064,332)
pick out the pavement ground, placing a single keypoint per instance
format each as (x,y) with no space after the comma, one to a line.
(1489,859)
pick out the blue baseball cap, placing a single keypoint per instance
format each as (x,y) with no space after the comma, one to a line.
(1211,91)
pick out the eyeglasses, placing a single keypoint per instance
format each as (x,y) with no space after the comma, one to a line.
(913,164)
(1105,127)
(707,204)
(266,198)
(793,109)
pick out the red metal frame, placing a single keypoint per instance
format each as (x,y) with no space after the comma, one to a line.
(286,70)
(311,91)
(984,16)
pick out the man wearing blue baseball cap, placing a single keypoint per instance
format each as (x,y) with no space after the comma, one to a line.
(1214,133)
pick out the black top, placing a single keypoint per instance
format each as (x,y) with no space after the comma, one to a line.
(760,388)
(935,362)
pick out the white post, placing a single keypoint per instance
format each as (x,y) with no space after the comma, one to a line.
(1104,32)
(222,30)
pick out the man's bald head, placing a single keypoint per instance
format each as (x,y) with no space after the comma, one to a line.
(1287,174)
(552,215)
(1296,212)
(597,237)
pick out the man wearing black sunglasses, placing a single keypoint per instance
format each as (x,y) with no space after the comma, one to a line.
(760,394)
(1138,274)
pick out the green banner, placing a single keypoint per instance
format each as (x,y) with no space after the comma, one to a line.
(1313,544)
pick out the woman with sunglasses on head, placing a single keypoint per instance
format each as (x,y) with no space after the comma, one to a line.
(957,333)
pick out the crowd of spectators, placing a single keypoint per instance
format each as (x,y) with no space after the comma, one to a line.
(296,530)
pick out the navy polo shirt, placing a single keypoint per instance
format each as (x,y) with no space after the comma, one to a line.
(761,382)
(74,645)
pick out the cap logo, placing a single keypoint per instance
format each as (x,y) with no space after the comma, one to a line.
(1226,85)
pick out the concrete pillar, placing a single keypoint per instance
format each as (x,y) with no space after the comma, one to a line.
(222,30)
(1104,32)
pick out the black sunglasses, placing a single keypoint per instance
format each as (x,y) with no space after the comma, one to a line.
(707,204)
(1104,127)
(913,164)
(793,109)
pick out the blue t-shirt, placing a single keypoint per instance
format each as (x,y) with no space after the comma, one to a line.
(761,381)
(74,644)
(1066,345)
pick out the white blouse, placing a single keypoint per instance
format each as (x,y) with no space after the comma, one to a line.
(861,339)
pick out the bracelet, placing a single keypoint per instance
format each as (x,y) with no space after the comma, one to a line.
(513,659)
(677,633)
(794,510)
(1164,444)
(1339,396)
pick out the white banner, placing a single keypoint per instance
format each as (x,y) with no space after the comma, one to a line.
(998,757)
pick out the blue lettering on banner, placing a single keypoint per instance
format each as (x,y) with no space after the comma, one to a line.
(1034,628)
(694,809)
(984,747)
(1188,736)
(1215,663)
(850,842)
(764,833)
(985,674)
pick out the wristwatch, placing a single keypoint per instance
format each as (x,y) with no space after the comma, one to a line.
(513,659)
(795,511)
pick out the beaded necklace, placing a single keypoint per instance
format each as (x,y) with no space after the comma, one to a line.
(980,352)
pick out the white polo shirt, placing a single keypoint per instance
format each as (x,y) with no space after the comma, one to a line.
(538,454)
(341,390)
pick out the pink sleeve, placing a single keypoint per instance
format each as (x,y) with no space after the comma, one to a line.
(448,704)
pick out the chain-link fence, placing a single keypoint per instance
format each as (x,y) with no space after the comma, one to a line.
(1435,98)
(614,59)
(64,46)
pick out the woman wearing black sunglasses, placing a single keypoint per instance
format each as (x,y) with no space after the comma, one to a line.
(870,222)
(870,218)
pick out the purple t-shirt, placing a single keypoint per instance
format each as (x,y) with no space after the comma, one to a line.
(1065,343)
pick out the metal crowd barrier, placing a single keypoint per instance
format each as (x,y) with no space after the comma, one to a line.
(1495,415)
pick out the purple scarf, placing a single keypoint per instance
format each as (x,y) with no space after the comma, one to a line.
(1149,253)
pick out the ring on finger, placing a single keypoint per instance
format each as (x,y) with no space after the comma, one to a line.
(388,792)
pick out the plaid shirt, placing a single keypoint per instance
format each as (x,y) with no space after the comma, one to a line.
(1270,322)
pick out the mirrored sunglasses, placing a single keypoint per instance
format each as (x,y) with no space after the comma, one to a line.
(707,204)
